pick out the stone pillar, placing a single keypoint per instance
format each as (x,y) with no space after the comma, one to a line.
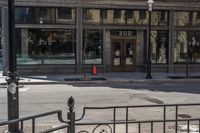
(107,50)
(140,43)
(79,40)
(4,39)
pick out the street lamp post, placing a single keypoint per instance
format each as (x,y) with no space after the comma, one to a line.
(148,71)
(12,78)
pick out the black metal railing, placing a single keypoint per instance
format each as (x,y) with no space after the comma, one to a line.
(94,119)
(33,118)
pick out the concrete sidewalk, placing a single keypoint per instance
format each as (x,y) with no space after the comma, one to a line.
(102,77)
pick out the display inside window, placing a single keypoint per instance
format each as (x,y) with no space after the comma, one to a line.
(159,47)
(180,47)
(92,16)
(92,46)
(45,46)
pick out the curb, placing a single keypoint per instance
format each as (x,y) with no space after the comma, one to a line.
(105,81)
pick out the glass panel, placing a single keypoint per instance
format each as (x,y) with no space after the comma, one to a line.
(92,51)
(194,47)
(43,15)
(107,16)
(119,17)
(45,46)
(159,46)
(196,18)
(129,53)
(92,16)
(180,46)
(159,18)
(181,18)
(117,54)
(137,17)
(34,15)
(65,15)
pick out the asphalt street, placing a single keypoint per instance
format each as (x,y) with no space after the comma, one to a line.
(41,98)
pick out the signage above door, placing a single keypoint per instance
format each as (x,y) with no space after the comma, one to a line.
(123,33)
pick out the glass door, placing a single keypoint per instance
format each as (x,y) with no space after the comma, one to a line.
(117,55)
(123,55)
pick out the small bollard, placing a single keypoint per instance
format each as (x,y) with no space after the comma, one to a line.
(71,115)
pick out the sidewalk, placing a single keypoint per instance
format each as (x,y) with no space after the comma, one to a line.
(103,77)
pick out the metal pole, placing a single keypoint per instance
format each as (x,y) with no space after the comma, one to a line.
(148,76)
(12,78)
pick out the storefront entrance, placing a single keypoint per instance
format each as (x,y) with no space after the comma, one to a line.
(123,55)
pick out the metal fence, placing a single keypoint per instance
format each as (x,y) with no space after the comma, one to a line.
(120,119)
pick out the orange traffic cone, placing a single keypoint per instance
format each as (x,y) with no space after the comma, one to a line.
(94,70)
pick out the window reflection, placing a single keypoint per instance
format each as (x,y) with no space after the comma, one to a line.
(180,47)
(92,16)
(196,18)
(137,17)
(181,18)
(65,15)
(159,46)
(107,16)
(44,15)
(119,17)
(92,46)
(159,18)
(45,46)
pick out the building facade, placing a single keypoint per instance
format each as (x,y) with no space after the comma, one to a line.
(73,35)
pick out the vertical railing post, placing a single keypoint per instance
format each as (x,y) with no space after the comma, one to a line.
(71,115)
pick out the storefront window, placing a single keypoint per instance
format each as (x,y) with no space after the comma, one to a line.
(159,18)
(42,15)
(92,16)
(137,17)
(180,47)
(45,46)
(159,46)
(181,18)
(92,46)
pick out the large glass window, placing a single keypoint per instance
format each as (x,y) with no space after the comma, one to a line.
(65,15)
(116,16)
(45,46)
(92,16)
(181,18)
(137,17)
(42,15)
(159,46)
(92,46)
(180,47)
(159,18)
